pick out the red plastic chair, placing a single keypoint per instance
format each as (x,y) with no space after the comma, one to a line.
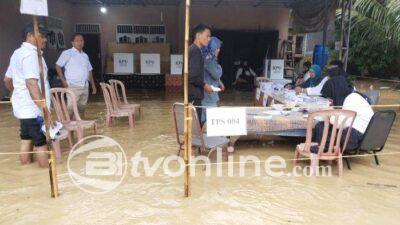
(339,119)
(112,107)
(59,102)
(120,93)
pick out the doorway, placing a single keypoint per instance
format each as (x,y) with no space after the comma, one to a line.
(93,49)
(252,46)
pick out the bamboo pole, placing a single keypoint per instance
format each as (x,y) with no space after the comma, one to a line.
(52,162)
(188,107)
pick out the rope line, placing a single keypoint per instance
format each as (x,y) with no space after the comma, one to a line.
(21,153)
(290,159)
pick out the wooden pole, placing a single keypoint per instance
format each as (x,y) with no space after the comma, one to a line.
(188,107)
(52,162)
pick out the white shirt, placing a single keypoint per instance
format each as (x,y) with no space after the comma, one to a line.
(355,102)
(77,66)
(8,72)
(248,72)
(317,89)
(24,64)
(306,76)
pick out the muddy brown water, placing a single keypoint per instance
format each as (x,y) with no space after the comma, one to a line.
(368,194)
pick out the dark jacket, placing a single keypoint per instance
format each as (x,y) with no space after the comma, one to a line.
(196,73)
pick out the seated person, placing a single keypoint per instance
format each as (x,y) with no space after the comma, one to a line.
(315,77)
(245,75)
(302,78)
(333,71)
(341,94)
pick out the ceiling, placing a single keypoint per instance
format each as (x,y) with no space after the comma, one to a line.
(216,3)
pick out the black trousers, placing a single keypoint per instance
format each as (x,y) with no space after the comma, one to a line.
(354,139)
(199,110)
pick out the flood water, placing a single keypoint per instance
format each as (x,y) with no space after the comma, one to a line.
(367,194)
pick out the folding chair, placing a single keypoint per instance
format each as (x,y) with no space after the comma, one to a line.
(199,139)
(375,136)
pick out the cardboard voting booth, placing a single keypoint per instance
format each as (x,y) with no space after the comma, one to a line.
(150,63)
(123,63)
(276,69)
(176,64)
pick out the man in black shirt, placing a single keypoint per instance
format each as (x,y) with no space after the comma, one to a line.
(201,37)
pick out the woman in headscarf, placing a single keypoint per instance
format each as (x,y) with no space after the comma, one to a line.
(341,94)
(315,77)
(332,71)
(212,74)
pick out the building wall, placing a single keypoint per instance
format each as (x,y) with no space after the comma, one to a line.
(238,18)
(11,23)
(173,17)
(127,15)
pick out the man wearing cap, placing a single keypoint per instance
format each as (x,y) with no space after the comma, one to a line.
(23,72)
(78,72)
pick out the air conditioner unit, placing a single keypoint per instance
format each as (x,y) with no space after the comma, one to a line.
(140,34)
(124,33)
(157,34)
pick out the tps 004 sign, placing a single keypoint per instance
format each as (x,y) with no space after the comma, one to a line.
(226,121)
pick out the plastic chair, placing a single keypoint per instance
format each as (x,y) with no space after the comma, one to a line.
(59,102)
(199,139)
(112,108)
(120,94)
(375,136)
(340,119)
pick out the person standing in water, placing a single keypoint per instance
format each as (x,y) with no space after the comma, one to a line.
(23,77)
(78,73)
(197,86)
(212,74)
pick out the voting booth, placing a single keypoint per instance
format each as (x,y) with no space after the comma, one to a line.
(176,64)
(276,69)
(123,63)
(150,63)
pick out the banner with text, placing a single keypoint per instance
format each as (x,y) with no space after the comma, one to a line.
(226,121)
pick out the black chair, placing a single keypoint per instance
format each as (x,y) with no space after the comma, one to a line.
(375,136)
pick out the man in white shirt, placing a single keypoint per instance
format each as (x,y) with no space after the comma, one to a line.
(23,77)
(78,72)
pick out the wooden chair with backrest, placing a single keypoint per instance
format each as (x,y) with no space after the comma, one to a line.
(59,98)
(199,139)
(120,94)
(335,119)
(375,135)
(112,108)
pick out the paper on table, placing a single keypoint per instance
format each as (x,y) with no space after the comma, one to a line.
(215,89)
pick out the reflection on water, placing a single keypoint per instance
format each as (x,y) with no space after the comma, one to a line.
(368,194)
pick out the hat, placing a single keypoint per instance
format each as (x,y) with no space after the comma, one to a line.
(28,28)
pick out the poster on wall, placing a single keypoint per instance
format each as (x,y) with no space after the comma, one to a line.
(123,63)
(34,7)
(53,25)
(276,70)
(176,64)
(150,63)
(60,39)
